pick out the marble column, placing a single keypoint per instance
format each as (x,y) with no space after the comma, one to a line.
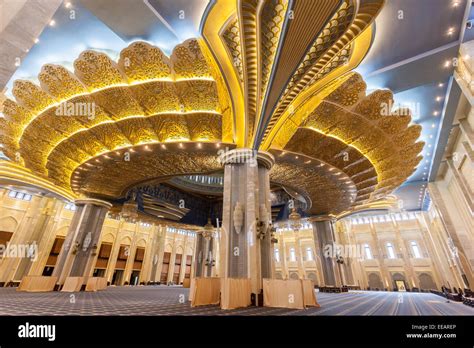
(81,243)
(245,250)
(158,244)
(200,256)
(457,249)
(161,252)
(209,256)
(346,267)
(283,261)
(299,256)
(204,255)
(323,231)
(172,260)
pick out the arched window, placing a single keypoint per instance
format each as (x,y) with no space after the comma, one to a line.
(416,250)
(277,255)
(391,252)
(292,254)
(368,252)
(309,254)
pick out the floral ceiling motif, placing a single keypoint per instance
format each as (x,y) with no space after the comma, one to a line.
(271,75)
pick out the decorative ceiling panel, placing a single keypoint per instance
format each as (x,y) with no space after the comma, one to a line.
(143,163)
(104,105)
(362,136)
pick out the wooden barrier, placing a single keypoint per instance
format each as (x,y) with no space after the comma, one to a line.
(192,286)
(289,293)
(37,284)
(283,293)
(235,293)
(309,296)
(96,283)
(73,284)
(186,283)
(206,291)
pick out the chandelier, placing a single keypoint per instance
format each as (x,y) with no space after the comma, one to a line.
(208,231)
(295,220)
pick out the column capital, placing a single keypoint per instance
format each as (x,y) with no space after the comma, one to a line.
(253,157)
(322,218)
(93,201)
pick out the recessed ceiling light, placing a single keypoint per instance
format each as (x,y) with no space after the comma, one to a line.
(436,113)
(447,64)
(52,23)
(431,136)
(438,99)
(440,84)
(67,4)
(36,40)
(433,125)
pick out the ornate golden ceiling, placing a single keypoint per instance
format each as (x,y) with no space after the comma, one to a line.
(143,98)
(269,74)
(350,131)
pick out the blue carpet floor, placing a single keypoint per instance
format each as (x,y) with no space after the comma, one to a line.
(162,300)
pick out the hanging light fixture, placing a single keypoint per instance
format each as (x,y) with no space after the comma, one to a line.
(208,230)
(294,220)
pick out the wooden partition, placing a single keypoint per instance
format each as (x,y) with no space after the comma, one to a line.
(297,293)
(138,261)
(177,268)
(37,284)
(96,283)
(206,291)
(165,268)
(104,255)
(73,284)
(187,272)
(122,257)
(235,293)
(5,237)
(53,256)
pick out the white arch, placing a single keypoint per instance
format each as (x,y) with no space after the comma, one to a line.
(8,224)
(141,243)
(126,241)
(168,248)
(108,238)
(62,231)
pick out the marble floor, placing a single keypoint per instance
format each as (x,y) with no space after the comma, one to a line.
(163,300)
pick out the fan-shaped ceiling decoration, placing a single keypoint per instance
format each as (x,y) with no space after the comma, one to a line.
(273,75)
(106,106)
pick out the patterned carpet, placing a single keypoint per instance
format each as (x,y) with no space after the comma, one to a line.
(163,300)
